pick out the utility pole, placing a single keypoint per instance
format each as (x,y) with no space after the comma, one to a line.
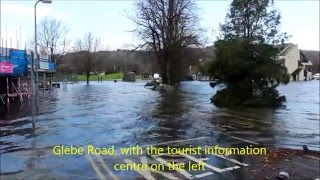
(35,48)
(32,86)
(36,43)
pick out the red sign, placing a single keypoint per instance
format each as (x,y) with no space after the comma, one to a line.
(6,67)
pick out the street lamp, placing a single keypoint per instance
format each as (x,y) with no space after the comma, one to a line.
(36,46)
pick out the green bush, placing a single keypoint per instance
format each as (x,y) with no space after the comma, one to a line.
(228,97)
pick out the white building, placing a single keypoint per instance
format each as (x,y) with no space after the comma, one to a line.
(299,67)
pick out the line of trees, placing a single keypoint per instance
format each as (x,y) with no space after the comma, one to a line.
(168,34)
(53,36)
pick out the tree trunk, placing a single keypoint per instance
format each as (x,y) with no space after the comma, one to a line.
(175,68)
(174,74)
(51,56)
(164,76)
(88,76)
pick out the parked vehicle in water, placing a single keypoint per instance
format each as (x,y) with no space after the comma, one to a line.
(316,76)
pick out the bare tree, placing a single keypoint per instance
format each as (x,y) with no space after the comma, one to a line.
(52,34)
(85,48)
(166,27)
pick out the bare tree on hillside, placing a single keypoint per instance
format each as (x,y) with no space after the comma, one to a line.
(85,48)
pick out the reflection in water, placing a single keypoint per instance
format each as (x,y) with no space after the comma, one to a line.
(168,115)
(124,114)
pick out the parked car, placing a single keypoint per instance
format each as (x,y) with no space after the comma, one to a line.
(316,76)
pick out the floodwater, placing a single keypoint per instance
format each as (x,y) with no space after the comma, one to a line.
(124,114)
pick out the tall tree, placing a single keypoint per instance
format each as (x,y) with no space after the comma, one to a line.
(85,48)
(52,35)
(254,20)
(245,56)
(166,27)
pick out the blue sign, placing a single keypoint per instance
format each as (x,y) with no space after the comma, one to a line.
(20,61)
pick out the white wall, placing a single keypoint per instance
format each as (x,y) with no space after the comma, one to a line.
(301,76)
(291,58)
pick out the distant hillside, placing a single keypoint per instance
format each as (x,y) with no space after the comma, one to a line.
(109,62)
(126,60)
(145,62)
(314,57)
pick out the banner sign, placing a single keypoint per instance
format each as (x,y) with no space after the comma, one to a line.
(44,65)
(6,68)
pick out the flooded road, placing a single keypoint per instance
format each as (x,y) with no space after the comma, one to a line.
(124,114)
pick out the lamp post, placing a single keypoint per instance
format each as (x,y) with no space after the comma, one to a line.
(36,44)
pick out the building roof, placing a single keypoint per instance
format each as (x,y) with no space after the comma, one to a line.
(303,59)
(283,48)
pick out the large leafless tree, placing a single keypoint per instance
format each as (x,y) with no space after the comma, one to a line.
(52,34)
(85,48)
(167,27)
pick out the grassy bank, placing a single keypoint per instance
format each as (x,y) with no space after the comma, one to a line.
(105,77)
(75,78)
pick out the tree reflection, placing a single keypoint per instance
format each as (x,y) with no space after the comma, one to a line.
(169,114)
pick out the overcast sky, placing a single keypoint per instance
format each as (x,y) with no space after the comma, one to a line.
(108,20)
